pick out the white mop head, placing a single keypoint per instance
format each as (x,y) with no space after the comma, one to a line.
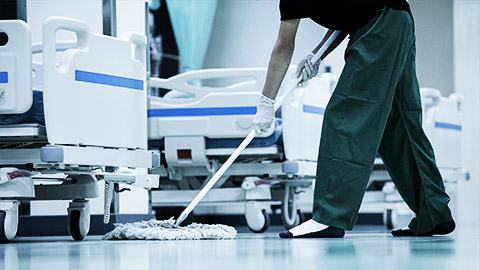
(162,230)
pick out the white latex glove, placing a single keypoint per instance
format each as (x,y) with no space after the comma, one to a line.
(265,115)
(306,69)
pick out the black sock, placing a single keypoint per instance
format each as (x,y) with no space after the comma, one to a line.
(440,229)
(330,232)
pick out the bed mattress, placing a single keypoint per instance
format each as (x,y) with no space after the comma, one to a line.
(35,115)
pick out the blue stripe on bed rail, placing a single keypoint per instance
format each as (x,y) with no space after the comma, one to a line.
(448,126)
(313,109)
(98,78)
(3,77)
(202,111)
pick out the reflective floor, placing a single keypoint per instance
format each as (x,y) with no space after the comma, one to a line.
(364,248)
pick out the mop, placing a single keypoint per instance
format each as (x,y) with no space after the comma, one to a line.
(164,230)
(170,229)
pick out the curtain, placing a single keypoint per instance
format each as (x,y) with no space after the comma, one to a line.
(155,4)
(192,22)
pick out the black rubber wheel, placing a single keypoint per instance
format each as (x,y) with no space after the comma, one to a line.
(3,237)
(389,219)
(300,217)
(266,217)
(75,225)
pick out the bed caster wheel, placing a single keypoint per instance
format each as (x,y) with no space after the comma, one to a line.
(390,218)
(291,215)
(258,220)
(78,219)
(297,220)
(8,220)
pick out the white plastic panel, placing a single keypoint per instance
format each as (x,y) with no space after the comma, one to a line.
(15,68)
(37,66)
(442,122)
(96,156)
(97,95)
(302,115)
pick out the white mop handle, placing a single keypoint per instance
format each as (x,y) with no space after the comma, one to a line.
(325,46)
(246,141)
(217,176)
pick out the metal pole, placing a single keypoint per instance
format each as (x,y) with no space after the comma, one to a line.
(22,10)
(147,51)
(109,10)
(147,33)
(149,89)
(109,21)
(13,10)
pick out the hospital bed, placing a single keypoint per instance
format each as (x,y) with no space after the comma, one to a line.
(84,121)
(442,123)
(206,116)
(208,112)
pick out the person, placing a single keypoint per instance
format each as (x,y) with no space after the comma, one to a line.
(375,108)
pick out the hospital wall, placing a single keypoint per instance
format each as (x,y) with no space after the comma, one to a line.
(245,31)
(130,15)
(467,82)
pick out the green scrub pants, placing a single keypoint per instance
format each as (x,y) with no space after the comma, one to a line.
(376,107)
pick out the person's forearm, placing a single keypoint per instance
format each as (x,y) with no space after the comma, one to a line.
(277,68)
(334,44)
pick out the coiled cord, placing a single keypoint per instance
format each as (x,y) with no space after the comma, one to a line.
(108,201)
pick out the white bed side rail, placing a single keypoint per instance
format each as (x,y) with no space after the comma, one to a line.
(225,111)
(98,90)
(181,82)
(37,66)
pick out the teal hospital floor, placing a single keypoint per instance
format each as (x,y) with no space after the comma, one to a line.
(363,248)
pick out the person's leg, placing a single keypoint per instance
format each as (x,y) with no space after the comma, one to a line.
(356,117)
(409,159)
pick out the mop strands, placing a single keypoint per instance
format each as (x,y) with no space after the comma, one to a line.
(165,230)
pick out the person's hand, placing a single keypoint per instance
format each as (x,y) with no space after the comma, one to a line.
(306,69)
(265,115)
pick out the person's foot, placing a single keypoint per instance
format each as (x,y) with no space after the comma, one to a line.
(440,229)
(313,229)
